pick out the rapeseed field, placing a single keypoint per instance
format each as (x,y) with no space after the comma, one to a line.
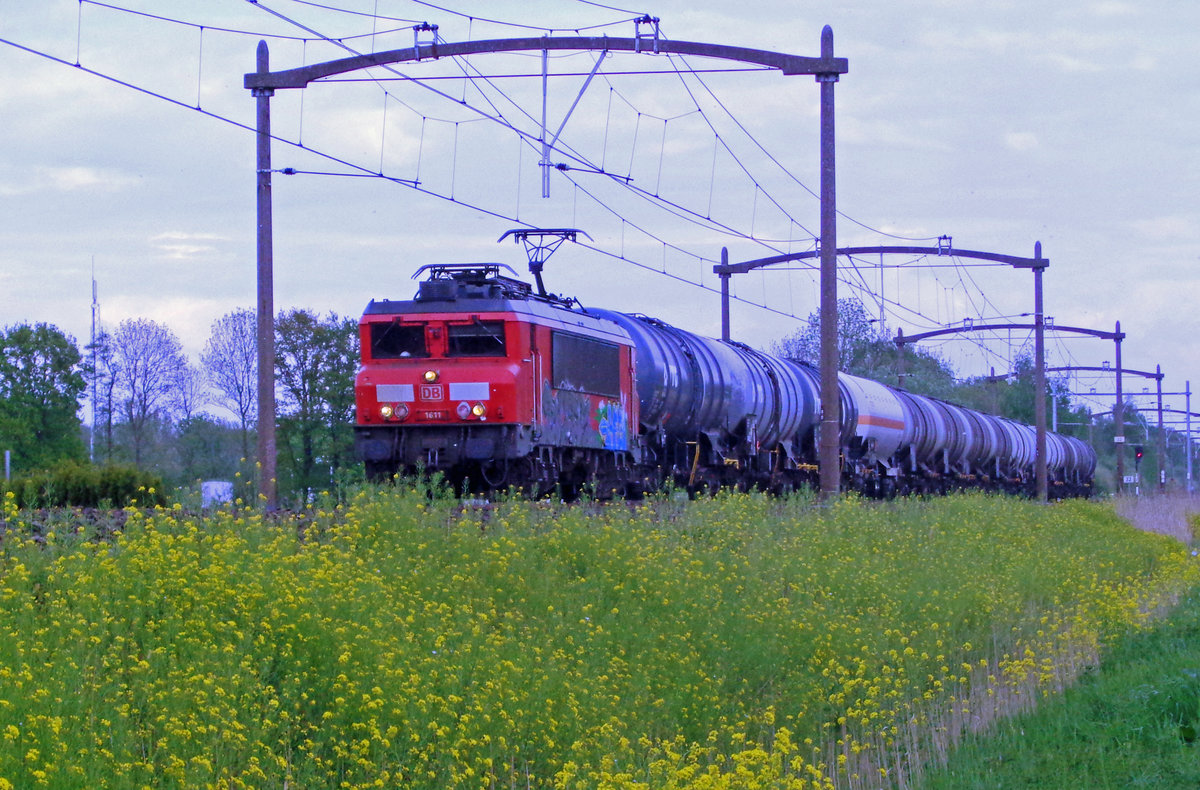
(401,640)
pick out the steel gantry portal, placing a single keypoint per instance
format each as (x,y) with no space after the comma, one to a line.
(263,83)
(1040,375)
(829,456)
(1121,372)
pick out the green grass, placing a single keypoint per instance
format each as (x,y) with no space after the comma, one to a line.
(1132,722)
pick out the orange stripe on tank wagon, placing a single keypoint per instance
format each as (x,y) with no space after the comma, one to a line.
(881,422)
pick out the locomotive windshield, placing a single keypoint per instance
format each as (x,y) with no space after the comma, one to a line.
(480,339)
(398,341)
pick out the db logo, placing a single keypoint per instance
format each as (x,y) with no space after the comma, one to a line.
(431,392)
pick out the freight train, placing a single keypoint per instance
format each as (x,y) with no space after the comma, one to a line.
(496,385)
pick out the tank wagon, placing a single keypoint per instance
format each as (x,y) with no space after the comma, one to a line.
(495,385)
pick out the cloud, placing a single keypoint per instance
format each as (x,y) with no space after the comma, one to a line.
(68,179)
(180,252)
(1143,62)
(1021,141)
(1174,226)
(1114,8)
(1071,63)
(65,179)
(179,245)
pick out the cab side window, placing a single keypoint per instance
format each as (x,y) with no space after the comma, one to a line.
(397,341)
(581,364)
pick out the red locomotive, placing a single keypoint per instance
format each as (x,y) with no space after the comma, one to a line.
(494,385)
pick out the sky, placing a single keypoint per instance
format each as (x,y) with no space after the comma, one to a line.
(127,153)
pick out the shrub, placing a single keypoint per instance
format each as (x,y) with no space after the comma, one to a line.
(74,484)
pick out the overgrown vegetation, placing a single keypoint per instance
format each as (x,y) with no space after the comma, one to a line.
(736,642)
(1131,721)
(84,485)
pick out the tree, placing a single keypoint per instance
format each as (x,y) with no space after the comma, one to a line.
(206,448)
(40,386)
(861,346)
(148,359)
(865,350)
(315,364)
(190,393)
(230,361)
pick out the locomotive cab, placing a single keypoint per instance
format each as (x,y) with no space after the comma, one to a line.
(436,371)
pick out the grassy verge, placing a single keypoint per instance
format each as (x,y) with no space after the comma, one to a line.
(394,640)
(1131,723)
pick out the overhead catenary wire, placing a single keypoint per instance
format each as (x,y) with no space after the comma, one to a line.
(363,172)
(672,207)
(341,42)
(771,157)
(360,171)
(675,208)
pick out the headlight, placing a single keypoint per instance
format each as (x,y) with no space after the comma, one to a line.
(389,412)
(479,410)
(430,376)
(463,410)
